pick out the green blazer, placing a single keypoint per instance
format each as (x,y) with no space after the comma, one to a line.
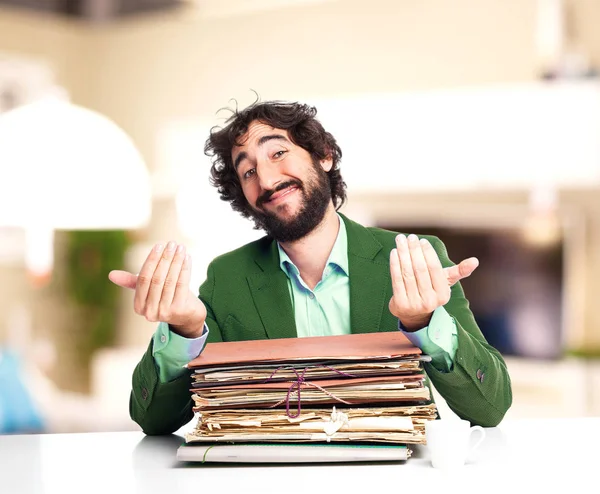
(247,298)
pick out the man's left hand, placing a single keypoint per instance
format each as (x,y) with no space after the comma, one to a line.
(420,284)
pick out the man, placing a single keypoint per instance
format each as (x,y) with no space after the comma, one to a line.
(316,273)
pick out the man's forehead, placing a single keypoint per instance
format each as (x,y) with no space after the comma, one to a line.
(255,131)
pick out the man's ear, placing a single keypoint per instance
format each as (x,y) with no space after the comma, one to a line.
(327,163)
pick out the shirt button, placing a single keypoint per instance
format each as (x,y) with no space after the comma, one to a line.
(144,394)
(163,339)
(311,295)
(479,374)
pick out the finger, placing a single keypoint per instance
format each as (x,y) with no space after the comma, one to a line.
(420,268)
(408,275)
(158,282)
(172,278)
(123,278)
(183,284)
(436,271)
(463,270)
(145,278)
(398,288)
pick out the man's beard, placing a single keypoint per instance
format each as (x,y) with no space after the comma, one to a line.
(316,195)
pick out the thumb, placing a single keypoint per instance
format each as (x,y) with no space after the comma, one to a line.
(123,278)
(462,270)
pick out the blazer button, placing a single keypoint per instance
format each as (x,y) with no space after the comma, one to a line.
(144,394)
(479,374)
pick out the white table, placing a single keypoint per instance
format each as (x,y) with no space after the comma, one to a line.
(518,456)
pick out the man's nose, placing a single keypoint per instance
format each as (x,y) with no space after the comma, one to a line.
(268,174)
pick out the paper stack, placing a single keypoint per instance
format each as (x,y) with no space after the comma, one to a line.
(355,389)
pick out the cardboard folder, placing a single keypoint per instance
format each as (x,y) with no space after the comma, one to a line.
(352,347)
(325,383)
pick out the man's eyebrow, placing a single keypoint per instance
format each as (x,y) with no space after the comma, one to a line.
(272,137)
(261,142)
(242,156)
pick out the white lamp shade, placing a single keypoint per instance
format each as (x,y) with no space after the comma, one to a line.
(66,167)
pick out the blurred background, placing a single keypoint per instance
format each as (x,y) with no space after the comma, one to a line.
(474,120)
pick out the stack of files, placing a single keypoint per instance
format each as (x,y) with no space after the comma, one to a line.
(358,389)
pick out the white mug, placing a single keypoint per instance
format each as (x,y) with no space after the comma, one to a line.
(448,442)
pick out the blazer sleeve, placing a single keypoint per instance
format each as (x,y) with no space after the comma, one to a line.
(163,408)
(478,387)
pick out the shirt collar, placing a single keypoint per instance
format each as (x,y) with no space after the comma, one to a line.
(338,256)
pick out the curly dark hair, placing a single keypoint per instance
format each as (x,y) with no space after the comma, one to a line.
(304,130)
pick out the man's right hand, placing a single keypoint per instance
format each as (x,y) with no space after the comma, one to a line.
(162,291)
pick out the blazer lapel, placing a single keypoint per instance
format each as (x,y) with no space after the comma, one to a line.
(369,277)
(270,292)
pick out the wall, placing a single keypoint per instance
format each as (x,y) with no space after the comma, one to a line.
(59,42)
(179,66)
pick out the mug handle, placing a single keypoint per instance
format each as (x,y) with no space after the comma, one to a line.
(481,430)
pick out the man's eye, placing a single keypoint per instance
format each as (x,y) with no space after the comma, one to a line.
(278,154)
(249,173)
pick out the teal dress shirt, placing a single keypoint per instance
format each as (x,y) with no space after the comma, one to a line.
(324,310)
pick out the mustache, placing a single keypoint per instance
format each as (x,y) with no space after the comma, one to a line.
(269,193)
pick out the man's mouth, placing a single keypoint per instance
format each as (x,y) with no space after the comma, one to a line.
(281,194)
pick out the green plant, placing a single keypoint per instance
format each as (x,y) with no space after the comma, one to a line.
(90,256)
(586,353)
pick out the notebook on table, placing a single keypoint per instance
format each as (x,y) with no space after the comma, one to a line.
(291,453)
